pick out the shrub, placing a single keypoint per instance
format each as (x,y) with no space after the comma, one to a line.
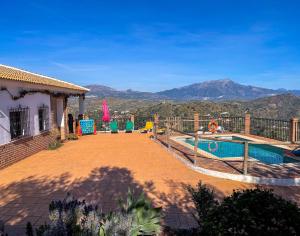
(72,137)
(2,233)
(29,229)
(248,212)
(135,216)
(204,201)
(168,231)
(55,145)
(71,217)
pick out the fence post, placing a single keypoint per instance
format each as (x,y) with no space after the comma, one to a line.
(196,129)
(246,157)
(155,125)
(180,124)
(293,130)
(247,123)
(168,133)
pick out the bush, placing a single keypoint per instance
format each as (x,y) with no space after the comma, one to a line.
(72,137)
(2,233)
(55,145)
(135,217)
(204,201)
(168,231)
(29,229)
(73,217)
(247,212)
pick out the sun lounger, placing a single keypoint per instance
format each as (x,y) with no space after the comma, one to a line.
(129,126)
(113,126)
(148,127)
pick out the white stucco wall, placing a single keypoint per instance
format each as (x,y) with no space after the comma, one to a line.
(33,101)
(60,112)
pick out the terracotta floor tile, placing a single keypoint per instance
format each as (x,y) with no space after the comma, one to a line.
(100,169)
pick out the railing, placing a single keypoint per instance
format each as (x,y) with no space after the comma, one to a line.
(237,154)
(97,117)
(269,128)
(162,124)
(140,122)
(232,124)
(226,124)
(187,125)
(203,123)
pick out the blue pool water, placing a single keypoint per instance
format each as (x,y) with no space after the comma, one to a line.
(265,153)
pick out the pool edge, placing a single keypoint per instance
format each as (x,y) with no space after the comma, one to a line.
(240,178)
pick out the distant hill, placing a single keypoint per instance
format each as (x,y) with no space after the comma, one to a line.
(276,107)
(217,90)
(282,106)
(104,91)
(214,90)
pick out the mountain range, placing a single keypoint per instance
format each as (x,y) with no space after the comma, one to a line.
(215,90)
(282,106)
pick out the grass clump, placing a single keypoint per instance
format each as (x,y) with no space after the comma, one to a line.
(72,137)
(55,145)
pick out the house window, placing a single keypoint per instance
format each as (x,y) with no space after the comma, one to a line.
(19,122)
(43,118)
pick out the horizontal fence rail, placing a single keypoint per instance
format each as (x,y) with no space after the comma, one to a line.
(233,153)
(269,128)
(187,125)
(226,124)
(219,139)
(140,122)
(242,155)
(232,124)
(280,130)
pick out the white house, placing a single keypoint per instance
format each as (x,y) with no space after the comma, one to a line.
(32,107)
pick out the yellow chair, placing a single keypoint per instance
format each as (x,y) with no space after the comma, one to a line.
(148,127)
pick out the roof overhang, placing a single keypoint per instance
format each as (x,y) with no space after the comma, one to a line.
(40,81)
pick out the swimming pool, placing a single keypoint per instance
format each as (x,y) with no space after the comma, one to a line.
(262,152)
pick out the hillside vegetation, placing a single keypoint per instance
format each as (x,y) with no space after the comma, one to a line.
(275,107)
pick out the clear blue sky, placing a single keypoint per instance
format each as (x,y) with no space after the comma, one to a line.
(154,45)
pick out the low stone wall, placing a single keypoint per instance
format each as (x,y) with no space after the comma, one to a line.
(15,151)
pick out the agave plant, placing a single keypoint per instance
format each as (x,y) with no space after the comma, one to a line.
(135,217)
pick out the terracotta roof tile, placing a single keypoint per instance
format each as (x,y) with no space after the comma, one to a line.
(11,73)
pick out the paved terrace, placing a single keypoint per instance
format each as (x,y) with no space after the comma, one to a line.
(100,169)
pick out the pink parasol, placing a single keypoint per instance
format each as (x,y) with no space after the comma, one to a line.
(105,110)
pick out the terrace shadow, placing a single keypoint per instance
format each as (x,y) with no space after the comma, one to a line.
(275,171)
(28,200)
